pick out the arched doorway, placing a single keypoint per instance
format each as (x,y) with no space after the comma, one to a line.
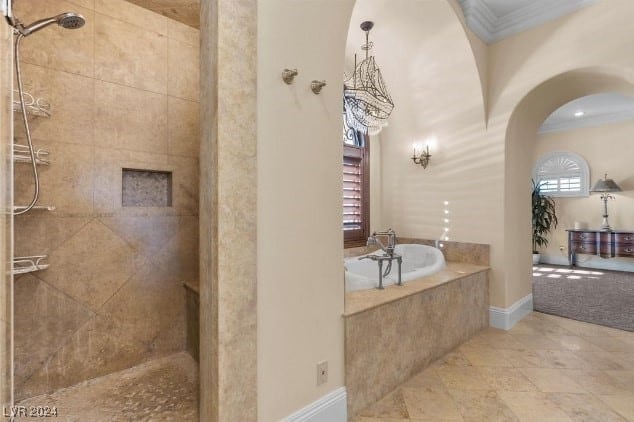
(522,129)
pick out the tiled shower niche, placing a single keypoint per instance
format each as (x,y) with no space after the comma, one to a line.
(146,188)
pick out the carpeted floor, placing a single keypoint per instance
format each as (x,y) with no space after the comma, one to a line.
(596,296)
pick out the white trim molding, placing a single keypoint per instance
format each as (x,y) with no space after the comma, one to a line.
(491,27)
(506,318)
(333,407)
(586,121)
(589,262)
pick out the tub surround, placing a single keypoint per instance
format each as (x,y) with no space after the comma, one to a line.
(387,343)
(364,300)
(470,253)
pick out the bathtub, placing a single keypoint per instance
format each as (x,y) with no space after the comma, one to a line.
(418,261)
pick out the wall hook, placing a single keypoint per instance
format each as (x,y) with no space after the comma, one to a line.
(288,75)
(316,86)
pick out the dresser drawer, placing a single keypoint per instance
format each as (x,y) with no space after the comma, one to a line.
(624,250)
(583,236)
(584,247)
(624,238)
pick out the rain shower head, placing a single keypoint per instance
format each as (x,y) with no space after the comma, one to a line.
(68,20)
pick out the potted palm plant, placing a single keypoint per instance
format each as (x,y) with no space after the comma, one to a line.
(544,219)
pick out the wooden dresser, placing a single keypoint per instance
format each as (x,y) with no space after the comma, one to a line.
(606,244)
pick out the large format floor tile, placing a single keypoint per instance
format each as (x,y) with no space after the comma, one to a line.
(546,368)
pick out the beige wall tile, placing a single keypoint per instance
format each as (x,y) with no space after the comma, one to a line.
(183,33)
(183,72)
(92,265)
(179,255)
(147,235)
(130,118)
(189,14)
(129,55)
(185,184)
(150,308)
(89,4)
(48,319)
(67,183)
(58,48)
(44,233)
(132,14)
(183,123)
(108,165)
(98,348)
(72,102)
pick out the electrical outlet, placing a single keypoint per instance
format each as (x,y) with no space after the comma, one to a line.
(322,372)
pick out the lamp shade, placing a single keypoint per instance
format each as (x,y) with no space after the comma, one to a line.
(606,185)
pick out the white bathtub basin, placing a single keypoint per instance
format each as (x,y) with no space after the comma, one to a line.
(418,261)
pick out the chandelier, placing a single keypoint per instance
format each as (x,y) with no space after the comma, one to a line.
(367,104)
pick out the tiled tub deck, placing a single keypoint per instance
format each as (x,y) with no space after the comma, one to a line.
(392,334)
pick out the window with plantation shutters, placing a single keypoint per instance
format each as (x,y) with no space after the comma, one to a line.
(356,215)
(562,174)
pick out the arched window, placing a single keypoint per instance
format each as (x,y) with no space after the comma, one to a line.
(562,174)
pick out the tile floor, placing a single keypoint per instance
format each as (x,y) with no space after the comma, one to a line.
(164,389)
(546,368)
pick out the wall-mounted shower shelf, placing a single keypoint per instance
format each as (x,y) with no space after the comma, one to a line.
(35,107)
(19,208)
(28,264)
(21,155)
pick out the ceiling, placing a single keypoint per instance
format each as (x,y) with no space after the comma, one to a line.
(494,20)
(597,110)
(491,20)
(185,11)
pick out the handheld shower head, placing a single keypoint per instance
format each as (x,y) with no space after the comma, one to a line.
(68,20)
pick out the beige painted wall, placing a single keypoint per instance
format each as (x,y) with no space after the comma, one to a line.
(121,98)
(517,65)
(300,272)
(606,149)
(431,69)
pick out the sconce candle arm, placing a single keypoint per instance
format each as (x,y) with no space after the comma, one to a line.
(422,158)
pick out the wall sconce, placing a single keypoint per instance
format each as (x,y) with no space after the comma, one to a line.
(422,158)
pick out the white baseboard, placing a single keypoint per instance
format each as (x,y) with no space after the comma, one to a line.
(594,262)
(333,407)
(506,318)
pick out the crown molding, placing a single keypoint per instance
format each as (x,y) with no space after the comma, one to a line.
(491,28)
(587,121)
